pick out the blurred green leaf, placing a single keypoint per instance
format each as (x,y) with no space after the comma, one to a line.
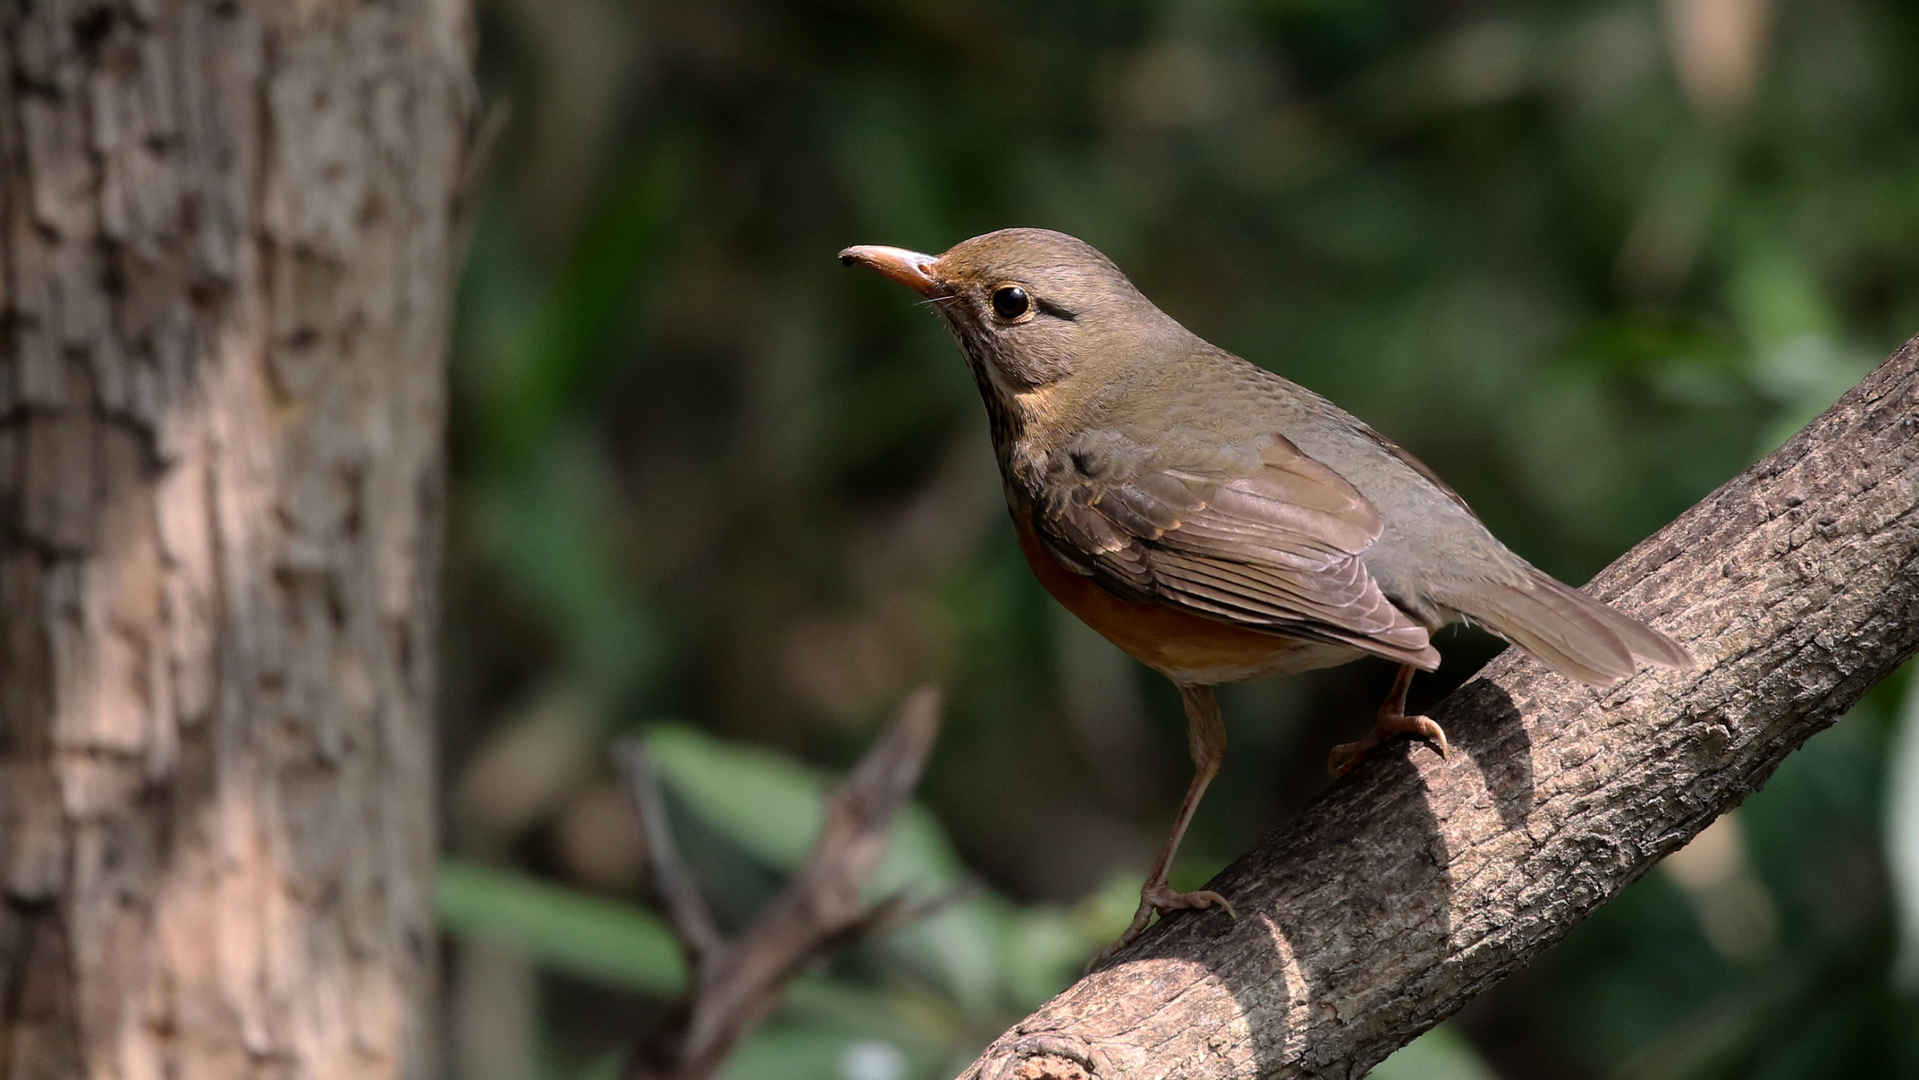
(763,801)
(568,930)
(773,806)
(1777,297)
(1440,1054)
(544,521)
(1044,950)
(779,1052)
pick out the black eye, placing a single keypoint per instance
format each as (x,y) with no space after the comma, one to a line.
(1010,301)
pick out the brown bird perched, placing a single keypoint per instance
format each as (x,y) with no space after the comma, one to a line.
(1218,522)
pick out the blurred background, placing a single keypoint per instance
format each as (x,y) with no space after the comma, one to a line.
(1588,259)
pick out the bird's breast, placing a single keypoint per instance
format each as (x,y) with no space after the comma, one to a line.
(1188,649)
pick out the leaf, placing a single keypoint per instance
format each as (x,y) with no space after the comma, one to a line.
(1045,948)
(792,1052)
(570,931)
(1440,1054)
(768,804)
(772,806)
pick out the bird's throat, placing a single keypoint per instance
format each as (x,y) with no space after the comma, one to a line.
(1004,416)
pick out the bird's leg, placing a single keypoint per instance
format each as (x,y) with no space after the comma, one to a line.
(1206,738)
(1393,722)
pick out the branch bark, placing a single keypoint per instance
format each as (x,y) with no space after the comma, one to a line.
(1417,883)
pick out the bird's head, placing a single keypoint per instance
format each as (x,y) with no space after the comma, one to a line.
(1031,308)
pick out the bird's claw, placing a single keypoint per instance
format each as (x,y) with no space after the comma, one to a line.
(1390,726)
(1158,897)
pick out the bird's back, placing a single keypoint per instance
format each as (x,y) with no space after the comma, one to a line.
(1433,559)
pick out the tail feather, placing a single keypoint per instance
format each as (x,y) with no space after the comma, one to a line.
(1575,635)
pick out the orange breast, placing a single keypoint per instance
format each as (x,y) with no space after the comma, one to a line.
(1186,648)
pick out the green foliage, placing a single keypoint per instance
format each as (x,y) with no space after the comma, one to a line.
(562,928)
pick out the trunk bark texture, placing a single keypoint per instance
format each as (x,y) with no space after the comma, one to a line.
(227,245)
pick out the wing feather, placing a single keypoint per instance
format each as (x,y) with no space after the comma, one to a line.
(1261,536)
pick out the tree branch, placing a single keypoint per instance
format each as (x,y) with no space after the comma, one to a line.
(1417,883)
(732,984)
(669,885)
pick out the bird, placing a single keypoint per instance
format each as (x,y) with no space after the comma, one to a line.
(1219,522)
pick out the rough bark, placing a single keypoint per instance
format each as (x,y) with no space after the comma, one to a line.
(1417,883)
(226,250)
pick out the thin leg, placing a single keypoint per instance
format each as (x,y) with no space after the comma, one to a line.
(1393,722)
(1206,739)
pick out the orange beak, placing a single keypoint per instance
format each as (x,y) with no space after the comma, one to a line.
(909,268)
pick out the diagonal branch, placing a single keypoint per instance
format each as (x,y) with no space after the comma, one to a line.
(1417,883)
(733,984)
(668,883)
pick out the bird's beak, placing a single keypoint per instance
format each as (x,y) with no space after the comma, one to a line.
(909,268)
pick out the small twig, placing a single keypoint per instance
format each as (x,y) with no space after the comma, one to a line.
(667,881)
(482,142)
(900,909)
(735,984)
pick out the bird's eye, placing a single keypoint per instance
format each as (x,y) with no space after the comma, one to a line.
(1010,302)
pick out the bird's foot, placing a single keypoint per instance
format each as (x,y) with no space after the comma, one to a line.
(1391,725)
(1157,896)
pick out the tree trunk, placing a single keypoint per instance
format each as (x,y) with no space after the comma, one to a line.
(226,251)
(1416,883)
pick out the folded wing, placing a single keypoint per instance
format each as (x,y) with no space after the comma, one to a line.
(1259,535)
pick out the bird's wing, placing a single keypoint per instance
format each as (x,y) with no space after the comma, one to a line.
(1258,535)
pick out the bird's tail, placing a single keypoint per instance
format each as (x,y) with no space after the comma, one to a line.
(1572,633)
